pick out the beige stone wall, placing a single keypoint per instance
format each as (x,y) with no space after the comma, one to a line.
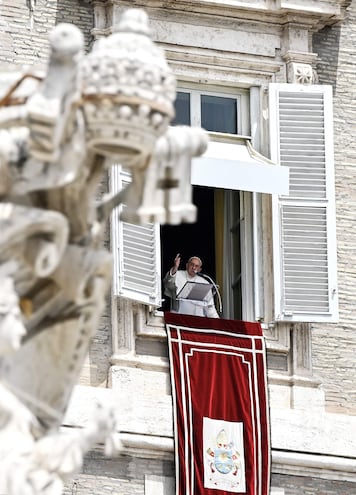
(298,485)
(121,476)
(334,345)
(24,34)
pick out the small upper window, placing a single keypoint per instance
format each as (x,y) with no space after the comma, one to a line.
(212,111)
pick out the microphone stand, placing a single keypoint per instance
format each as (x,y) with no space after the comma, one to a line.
(215,287)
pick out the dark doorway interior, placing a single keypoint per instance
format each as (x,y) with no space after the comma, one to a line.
(197,239)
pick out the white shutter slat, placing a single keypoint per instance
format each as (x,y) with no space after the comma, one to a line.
(304,239)
(302,141)
(136,250)
(139,257)
(304,222)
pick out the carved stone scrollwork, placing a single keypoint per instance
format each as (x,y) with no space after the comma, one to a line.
(128,92)
(163,192)
(174,154)
(116,102)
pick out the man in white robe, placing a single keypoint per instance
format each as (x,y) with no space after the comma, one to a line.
(176,279)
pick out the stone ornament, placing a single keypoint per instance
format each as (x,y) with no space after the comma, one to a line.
(169,169)
(128,92)
(300,73)
(59,132)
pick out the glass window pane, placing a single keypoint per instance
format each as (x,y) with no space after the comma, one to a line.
(219,114)
(182,108)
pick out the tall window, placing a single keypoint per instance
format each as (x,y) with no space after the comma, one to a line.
(216,235)
(227,234)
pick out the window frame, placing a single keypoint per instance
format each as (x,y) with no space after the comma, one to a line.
(242,103)
(242,97)
(248,290)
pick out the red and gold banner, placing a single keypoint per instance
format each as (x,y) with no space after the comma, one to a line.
(218,373)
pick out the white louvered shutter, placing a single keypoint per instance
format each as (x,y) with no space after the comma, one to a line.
(136,251)
(304,233)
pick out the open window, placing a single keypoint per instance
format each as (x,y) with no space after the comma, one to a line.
(216,236)
(225,181)
(224,236)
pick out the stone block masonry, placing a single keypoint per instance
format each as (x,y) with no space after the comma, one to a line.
(120,476)
(297,485)
(24,33)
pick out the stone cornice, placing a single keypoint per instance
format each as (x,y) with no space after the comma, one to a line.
(130,360)
(317,451)
(301,57)
(283,462)
(276,378)
(214,67)
(317,13)
(313,465)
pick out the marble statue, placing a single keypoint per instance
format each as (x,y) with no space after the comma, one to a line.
(59,133)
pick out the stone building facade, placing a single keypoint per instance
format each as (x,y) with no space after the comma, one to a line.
(234,49)
(335,66)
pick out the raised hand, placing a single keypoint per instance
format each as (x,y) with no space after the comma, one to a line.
(177,261)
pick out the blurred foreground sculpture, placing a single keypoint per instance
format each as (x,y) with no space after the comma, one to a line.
(58,135)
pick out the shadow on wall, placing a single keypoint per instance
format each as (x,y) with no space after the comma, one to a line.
(326,44)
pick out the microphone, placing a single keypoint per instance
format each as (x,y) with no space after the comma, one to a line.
(206,277)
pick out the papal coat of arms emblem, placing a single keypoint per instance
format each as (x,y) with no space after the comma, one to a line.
(224,467)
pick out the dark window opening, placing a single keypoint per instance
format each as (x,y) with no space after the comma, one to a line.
(195,239)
